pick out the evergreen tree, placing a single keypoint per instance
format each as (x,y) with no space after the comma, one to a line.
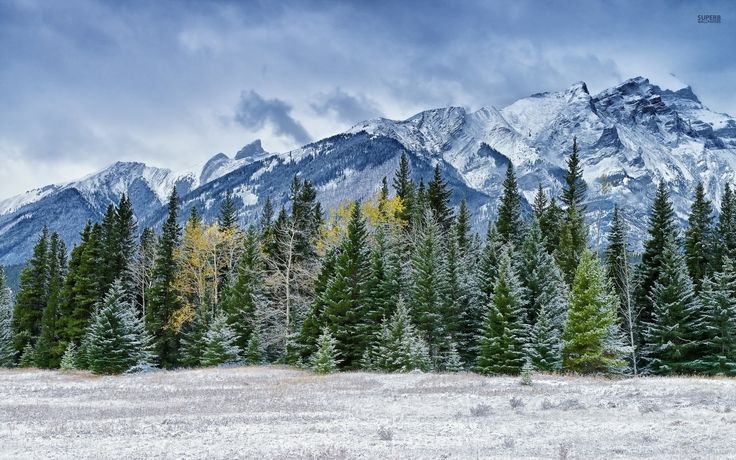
(662,227)
(541,204)
(325,359)
(117,341)
(28,356)
(438,196)
(504,332)
(429,284)
(193,343)
(126,229)
(400,347)
(69,358)
(573,194)
(246,292)
(462,228)
(32,295)
(725,244)
(573,241)
(671,336)
(228,218)
(488,265)
(381,289)
(404,187)
(510,225)
(470,307)
(311,326)
(619,273)
(345,298)
(48,348)
(7,350)
(717,323)
(163,298)
(219,344)
(545,341)
(550,224)
(253,353)
(698,237)
(591,343)
(453,360)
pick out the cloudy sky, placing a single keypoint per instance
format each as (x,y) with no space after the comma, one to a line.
(84,83)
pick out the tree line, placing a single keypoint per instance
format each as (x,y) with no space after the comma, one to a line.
(394,283)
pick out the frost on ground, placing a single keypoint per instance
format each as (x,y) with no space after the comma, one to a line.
(272,412)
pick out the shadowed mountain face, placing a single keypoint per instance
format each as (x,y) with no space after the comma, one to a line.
(630,137)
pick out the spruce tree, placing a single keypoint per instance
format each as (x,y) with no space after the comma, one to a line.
(228,218)
(381,289)
(502,346)
(404,187)
(345,298)
(545,341)
(488,264)
(462,228)
(163,298)
(662,227)
(541,204)
(438,196)
(48,347)
(591,342)
(573,234)
(253,352)
(573,194)
(191,349)
(311,326)
(550,224)
(717,323)
(69,358)
(117,340)
(220,343)
(400,347)
(671,334)
(699,238)
(619,273)
(7,350)
(27,356)
(325,359)
(725,243)
(126,229)
(509,224)
(246,292)
(32,295)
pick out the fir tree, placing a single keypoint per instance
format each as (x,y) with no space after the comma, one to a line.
(125,230)
(345,297)
(698,237)
(219,344)
(573,194)
(510,225)
(504,332)
(311,326)
(438,196)
(381,289)
(573,241)
(253,353)
(453,361)
(325,359)
(163,298)
(671,340)
(7,350)
(591,334)
(488,265)
(717,323)
(545,341)
(541,204)
(228,218)
(193,343)
(662,228)
(48,348)
(400,347)
(117,341)
(27,356)
(32,294)
(550,224)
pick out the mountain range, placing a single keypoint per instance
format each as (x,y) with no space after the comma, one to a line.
(630,137)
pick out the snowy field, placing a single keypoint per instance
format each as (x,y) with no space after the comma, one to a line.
(272,412)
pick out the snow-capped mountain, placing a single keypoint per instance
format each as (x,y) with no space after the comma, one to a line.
(630,137)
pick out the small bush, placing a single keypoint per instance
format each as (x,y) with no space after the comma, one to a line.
(385,433)
(516,402)
(481,410)
(526,373)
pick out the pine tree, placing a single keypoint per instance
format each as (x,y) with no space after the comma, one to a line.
(163,298)
(502,346)
(246,292)
(7,350)
(717,323)
(253,353)
(453,361)
(573,194)
(48,348)
(325,359)
(404,187)
(510,225)
(32,295)
(541,204)
(345,297)
(117,341)
(400,347)
(28,356)
(698,237)
(381,289)
(671,336)
(69,358)
(193,333)
(126,229)
(488,265)
(591,335)
(619,273)
(662,227)
(462,228)
(545,342)
(573,234)
(550,224)
(438,196)
(219,344)
(228,218)
(471,308)
(311,326)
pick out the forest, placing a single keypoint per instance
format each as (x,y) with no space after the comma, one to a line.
(394,283)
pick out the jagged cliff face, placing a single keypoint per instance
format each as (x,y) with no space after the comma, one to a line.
(630,137)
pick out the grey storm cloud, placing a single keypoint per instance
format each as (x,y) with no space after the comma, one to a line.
(345,106)
(253,112)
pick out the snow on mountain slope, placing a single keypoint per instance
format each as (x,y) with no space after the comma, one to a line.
(630,137)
